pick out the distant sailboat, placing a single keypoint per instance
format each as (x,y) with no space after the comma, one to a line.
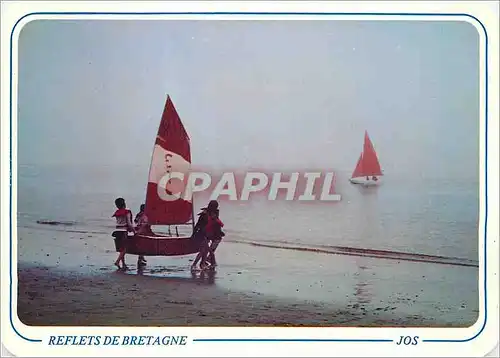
(367,168)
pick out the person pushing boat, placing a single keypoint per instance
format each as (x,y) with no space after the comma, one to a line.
(200,233)
(124,225)
(142,227)
(214,235)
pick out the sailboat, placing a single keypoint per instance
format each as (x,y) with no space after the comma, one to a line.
(171,153)
(367,171)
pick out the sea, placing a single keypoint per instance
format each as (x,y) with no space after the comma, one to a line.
(408,245)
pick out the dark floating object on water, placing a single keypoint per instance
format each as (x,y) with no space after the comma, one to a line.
(55,223)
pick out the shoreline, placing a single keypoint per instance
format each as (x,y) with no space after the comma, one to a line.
(49,296)
(68,278)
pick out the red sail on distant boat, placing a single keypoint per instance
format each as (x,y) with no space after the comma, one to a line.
(359,167)
(167,200)
(368,165)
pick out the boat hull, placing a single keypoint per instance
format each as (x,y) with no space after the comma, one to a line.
(158,245)
(364,182)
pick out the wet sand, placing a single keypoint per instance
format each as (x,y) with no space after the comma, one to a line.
(49,297)
(67,278)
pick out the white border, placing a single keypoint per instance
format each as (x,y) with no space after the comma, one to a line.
(487,12)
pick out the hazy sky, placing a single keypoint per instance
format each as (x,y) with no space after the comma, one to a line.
(295,93)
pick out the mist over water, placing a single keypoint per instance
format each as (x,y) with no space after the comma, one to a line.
(394,216)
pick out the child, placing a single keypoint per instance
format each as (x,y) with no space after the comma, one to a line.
(199,233)
(142,227)
(123,226)
(200,236)
(215,234)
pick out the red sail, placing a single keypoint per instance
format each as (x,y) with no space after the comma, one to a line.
(171,154)
(368,164)
(358,171)
(371,165)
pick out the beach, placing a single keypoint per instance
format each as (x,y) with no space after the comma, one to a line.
(114,299)
(68,279)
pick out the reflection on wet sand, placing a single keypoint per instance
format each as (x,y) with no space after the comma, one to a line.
(164,272)
(362,288)
(209,276)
